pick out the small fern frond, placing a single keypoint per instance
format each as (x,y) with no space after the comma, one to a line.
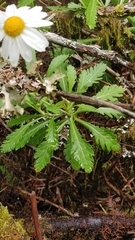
(110,112)
(14,139)
(105,137)
(21,136)
(18,120)
(110,93)
(44,151)
(90,76)
(91,13)
(77,151)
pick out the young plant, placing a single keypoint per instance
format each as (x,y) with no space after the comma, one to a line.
(45,128)
(85,7)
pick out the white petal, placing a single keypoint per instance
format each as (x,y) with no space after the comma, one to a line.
(10,50)
(35,9)
(24,49)
(3,16)
(41,23)
(2,34)
(34,15)
(14,53)
(6,46)
(34,39)
(23,12)
(11,10)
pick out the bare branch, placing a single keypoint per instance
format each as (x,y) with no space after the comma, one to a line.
(92,50)
(96,102)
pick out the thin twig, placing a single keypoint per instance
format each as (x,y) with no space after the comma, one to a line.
(92,50)
(35,215)
(95,102)
(48,202)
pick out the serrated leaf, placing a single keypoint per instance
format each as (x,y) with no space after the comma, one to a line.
(91,13)
(22,3)
(21,136)
(50,107)
(43,155)
(14,138)
(110,93)
(73,6)
(57,61)
(32,102)
(21,119)
(105,137)
(63,81)
(85,108)
(71,77)
(88,77)
(45,150)
(110,112)
(31,131)
(69,157)
(77,150)
(38,137)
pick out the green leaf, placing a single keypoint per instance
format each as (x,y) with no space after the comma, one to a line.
(30,101)
(77,150)
(44,151)
(110,112)
(57,61)
(50,107)
(31,131)
(14,138)
(38,137)
(110,93)
(63,81)
(88,77)
(73,6)
(71,75)
(91,13)
(43,155)
(69,156)
(85,108)
(22,3)
(21,136)
(22,118)
(105,137)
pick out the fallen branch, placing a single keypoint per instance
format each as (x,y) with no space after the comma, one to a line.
(105,225)
(96,102)
(92,50)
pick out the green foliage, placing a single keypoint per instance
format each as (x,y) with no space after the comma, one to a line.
(22,3)
(44,128)
(110,93)
(90,11)
(45,150)
(77,151)
(105,137)
(56,62)
(85,7)
(9,227)
(2,4)
(71,77)
(88,77)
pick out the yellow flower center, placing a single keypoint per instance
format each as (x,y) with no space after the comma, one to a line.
(14,26)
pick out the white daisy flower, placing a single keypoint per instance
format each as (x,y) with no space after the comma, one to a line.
(17,30)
